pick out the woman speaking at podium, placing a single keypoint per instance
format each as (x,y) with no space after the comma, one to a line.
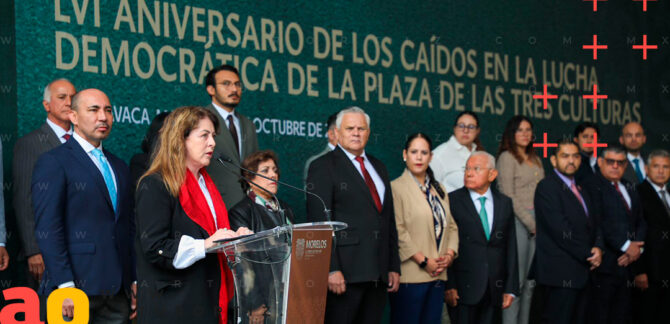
(179,214)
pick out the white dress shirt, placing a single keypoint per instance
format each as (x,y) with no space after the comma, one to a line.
(59,131)
(641,163)
(488,204)
(379,183)
(448,163)
(191,250)
(626,197)
(224,114)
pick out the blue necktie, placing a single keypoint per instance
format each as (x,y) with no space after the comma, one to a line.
(638,171)
(485,218)
(107,175)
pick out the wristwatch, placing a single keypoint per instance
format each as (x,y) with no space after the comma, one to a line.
(424,263)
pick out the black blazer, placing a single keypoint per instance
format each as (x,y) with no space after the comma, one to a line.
(483,264)
(166,294)
(617,224)
(655,260)
(368,249)
(584,172)
(565,234)
(257,218)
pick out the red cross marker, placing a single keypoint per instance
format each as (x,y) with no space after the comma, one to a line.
(595,47)
(644,47)
(595,4)
(595,145)
(545,97)
(644,3)
(595,96)
(545,145)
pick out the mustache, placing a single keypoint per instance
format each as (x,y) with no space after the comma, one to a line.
(102,125)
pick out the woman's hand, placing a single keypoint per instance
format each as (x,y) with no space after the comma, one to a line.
(220,234)
(243,231)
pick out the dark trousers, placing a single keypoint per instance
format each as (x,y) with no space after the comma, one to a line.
(361,303)
(563,305)
(611,302)
(653,304)
(417,303)
(484,312)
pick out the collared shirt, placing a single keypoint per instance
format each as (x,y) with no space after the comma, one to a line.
(592,162)
(626,197)
(191,250)
(331,146)
(448,163)
(641,163)
(224,115)
(568,182)
(59,131)
(658,190)
(379,183)
(88,148)
(488,204)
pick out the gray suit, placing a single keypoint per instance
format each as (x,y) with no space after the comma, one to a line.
(226,181)
(311,159)
(26,151)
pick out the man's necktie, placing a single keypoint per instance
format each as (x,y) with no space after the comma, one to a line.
(638,171)
(616,186)
(370,184)
(573,187)
(665,200)
(66,137)
(233,133)
(484,218)
(107,175)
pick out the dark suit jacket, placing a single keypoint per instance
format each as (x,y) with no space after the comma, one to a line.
(81,238)
(257,218)
(617,224)
(655,261)
(483,264)
(368,249)
(565,234)
(167,294)
(26,151)
(629,174)
(226,181)
(584,172)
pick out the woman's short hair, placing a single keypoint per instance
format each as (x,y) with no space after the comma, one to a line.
(252,162)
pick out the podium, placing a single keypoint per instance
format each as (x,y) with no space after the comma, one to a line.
(281,275)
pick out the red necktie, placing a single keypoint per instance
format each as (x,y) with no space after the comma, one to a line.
(370,183)
(66,136)
(616,186)
(573,187)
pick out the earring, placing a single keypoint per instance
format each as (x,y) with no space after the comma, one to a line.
(404,159)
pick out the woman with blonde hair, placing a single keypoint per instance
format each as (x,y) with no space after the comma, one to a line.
(179,215)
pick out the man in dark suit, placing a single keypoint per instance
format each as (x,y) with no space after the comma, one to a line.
(633,138)
(569,241)
(484,279)
(654,277)
(84,219)
(237,140)
(330,145)
(618,208)
(583,136)
(55,131)
(364,263)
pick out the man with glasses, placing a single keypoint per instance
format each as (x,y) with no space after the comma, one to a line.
(618,208)
(239,139)
(449,158)
(633,138)
(484,279)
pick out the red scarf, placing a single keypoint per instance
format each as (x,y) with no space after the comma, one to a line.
(195,205)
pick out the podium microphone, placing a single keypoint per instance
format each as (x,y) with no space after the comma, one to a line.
(223,159)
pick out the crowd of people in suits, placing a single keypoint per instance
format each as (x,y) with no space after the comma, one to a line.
(461,236)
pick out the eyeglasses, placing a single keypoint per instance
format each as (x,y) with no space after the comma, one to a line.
(611,162)
(463,127)
(227,84)
(475,169)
